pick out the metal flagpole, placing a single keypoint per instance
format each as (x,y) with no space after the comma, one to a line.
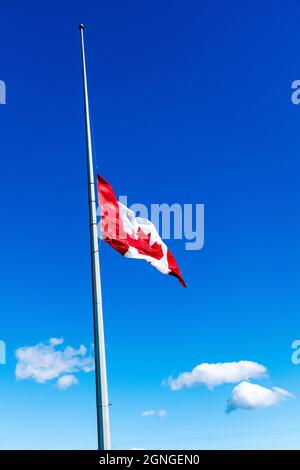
(100,361)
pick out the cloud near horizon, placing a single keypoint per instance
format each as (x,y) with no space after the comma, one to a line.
(56,341)
(159,413)
(220,373)
(251,396)
(45,361)
(65,381)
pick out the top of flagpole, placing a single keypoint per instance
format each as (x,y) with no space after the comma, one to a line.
(81,27)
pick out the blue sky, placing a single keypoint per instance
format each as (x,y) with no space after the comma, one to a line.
(190,103)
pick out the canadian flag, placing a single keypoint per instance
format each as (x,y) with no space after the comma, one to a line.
(133,237)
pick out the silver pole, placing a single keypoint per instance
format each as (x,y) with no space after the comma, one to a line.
(100,361)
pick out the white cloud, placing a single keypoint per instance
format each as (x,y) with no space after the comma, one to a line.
(251,396)
(65,381)
(148,413)
(159,413)
(217,374)
(56,341)
(45,361)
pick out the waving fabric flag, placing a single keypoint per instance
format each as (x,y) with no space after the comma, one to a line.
(133,237)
